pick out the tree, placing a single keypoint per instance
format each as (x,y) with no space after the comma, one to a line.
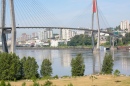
(126,39)
(80,40)
(46,69)
(30,68)
(22,62)
(78,66)
(9,66)
(107,66)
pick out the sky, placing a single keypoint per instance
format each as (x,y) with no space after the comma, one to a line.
(68,13)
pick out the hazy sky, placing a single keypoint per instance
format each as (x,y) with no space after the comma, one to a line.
(69,13)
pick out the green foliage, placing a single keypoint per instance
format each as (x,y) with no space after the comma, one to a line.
(78,66)
(56,77)
(48,83)
(107,66)
(30,67)
(22,62)
(126,39)
(9,66)
(46,69)
(116,73)
(70,84)
(2,83)
(8,84)
(79,40)
(24,84)
(36,84)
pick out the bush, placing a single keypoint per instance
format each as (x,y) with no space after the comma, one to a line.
(56,77)
(36,84)
(24,84)
(70,84)
(8,84)
(116,73)
(48,83)
(2,83)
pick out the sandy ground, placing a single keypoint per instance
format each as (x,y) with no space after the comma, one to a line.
(102,80)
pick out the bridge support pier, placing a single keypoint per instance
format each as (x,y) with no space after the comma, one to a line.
(3,35)
(12,13)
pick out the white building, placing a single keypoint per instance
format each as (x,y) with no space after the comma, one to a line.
(65,34)
(125,25)
(41,35)
(54,43)
(49,33)
(45,34)
(79,32)
(73,33)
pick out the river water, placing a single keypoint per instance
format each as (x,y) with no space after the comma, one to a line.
(61,60)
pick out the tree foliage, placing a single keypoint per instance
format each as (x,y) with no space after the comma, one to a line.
(46,69)
(78,66)
(107,66)
(79,40)
(116,73)
(29,68)
(126,39)
(9,66)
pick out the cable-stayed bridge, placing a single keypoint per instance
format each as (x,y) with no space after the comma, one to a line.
(37,27)
(31,18)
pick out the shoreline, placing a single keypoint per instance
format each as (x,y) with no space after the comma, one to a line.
(52,48)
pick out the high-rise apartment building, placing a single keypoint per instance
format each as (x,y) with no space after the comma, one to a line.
(49,33)
(125,25)
(45,34)
(65,34)
(41,35)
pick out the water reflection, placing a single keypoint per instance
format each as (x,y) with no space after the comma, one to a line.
(61,60)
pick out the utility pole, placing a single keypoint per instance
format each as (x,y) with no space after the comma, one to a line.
(13,32)
(3,35)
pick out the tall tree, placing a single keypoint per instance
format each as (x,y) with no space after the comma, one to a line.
(22,62)
(107,66)
(77,66)
(46,69)
(9,66)
(30,68)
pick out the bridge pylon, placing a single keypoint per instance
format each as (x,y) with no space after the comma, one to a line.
(3,29)
(95,11)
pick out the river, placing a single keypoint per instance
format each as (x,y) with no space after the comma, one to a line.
(61,60)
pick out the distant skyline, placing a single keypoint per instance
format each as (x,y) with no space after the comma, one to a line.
(69,13)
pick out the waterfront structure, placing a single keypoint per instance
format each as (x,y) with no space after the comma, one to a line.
(79,32)
(54,43)
(125,26)
(24,37)
(49,33)
(66,34)
(41,35)
(73,33)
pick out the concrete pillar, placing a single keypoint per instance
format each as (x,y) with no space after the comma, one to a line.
(98,40)
(3,35)
(12,13)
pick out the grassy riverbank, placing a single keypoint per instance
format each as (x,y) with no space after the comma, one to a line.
(102,80)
